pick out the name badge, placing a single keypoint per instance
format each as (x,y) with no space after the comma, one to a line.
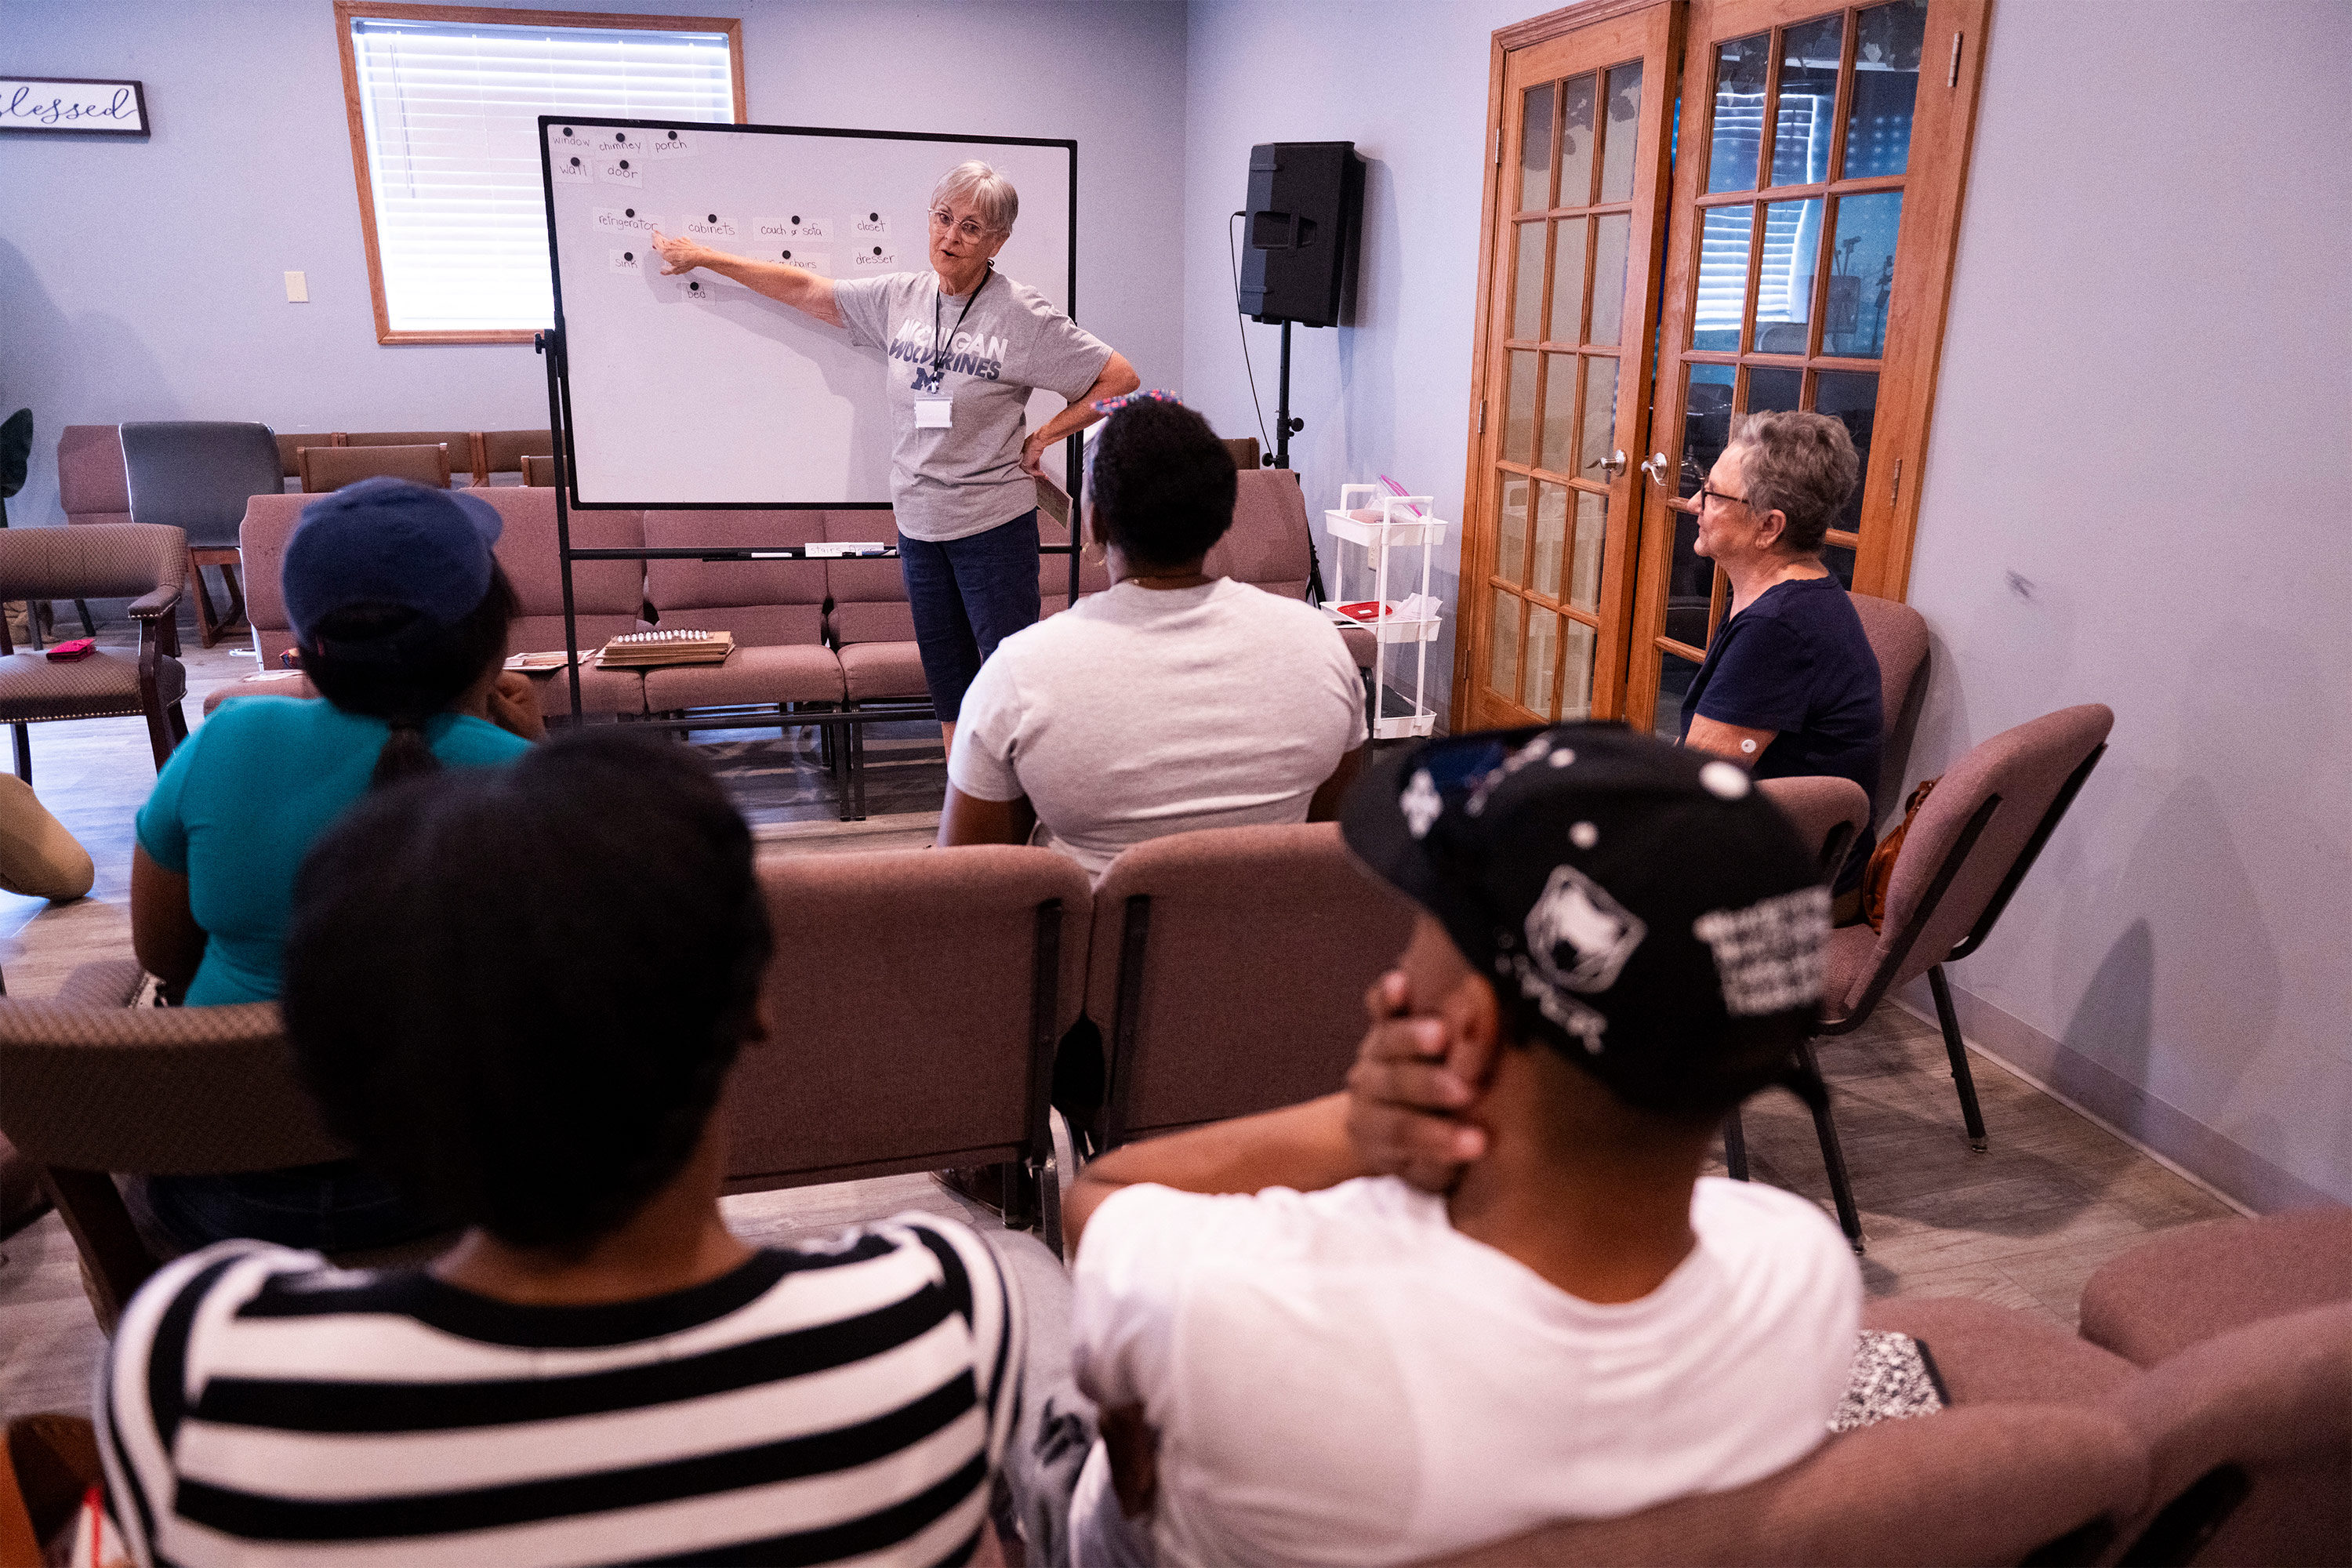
(934,413)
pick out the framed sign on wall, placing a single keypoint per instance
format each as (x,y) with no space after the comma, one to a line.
(72,103)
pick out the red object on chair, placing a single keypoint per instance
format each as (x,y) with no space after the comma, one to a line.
(80,647)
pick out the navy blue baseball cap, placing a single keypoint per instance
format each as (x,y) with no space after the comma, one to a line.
(388,541)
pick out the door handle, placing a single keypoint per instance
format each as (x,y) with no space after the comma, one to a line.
(1654,464)
(1613,465)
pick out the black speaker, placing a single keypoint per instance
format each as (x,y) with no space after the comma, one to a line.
(1306,213)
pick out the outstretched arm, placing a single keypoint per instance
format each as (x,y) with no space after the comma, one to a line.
(796,286)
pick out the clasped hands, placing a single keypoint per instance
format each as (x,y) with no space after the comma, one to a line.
(1413,1079)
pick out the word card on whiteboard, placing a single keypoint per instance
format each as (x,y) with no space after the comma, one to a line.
(696,391)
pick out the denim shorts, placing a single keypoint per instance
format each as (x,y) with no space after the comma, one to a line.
(967,595)
(336,1207)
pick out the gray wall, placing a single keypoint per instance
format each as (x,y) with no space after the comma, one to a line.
(142,280)
(2134,494)
(1406,82)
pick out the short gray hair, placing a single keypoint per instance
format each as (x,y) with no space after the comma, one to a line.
(1803,466)
(990,192)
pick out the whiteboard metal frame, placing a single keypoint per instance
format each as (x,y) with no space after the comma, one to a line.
(550,345)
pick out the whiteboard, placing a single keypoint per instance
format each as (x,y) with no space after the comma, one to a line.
(696,391)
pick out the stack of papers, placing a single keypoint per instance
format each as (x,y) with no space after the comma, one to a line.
(639,650)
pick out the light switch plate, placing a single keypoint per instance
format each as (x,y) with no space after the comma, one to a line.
(298,288)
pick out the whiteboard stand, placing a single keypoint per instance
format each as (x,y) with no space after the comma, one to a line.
(1394,524)
(840,726)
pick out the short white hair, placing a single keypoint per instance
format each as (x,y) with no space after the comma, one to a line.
(990,194)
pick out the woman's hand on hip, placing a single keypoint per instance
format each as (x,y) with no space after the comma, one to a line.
(1032,456)
(679,255)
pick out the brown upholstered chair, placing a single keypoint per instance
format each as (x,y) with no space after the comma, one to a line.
(1996,1483)
(1897,634)
(1269,547)
(539,472)
(1228,973)
(290,448)
(1827,812)
(868,1075)
(503,450)
(1988,1354)
(608,595)
(2200,1281)
(1972,843)
(775,608)
(92,486)
(328,468)
(220,1096)
(2250,1442)
(142,561)
(1243,449)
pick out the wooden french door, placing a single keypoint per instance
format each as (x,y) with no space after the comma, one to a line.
(1569,306)
(1815,200)
(1753,201)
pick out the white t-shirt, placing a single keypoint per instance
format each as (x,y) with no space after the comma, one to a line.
(1143,711)
(1341,1376)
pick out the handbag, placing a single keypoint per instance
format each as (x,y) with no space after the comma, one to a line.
(1880,874)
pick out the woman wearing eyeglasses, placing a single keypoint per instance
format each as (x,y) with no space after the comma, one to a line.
(964,347)
(1791,686)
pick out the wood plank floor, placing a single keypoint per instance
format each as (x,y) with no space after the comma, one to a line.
(2021,1224)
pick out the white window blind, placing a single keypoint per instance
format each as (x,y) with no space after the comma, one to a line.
(450,112)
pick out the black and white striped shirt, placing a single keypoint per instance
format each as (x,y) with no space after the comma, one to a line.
(845,1402)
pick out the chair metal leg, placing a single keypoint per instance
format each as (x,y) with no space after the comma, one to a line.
(1963,1080)
(24,751)
(1735,1145)
(89,627)
(854,801)
(1834,1158)
(208,625)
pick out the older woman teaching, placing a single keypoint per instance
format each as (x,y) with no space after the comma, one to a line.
(1790,686)
(964,348)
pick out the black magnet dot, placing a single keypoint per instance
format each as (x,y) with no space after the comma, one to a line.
(714,217)
(628,255)
(873,217)
(575,163)
(620,136)
(624,163)
(796,217)
(695,288)
(877,250)
(567,131)
(628,212)
(673,135)
(788,256)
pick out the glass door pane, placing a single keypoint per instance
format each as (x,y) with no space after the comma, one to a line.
(1820,142)
(1564,397)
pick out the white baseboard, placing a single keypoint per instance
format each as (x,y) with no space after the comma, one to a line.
(2164,1133)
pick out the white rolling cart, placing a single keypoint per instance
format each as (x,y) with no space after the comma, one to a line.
(1394,526)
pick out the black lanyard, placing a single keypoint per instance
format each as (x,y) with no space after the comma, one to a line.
(939,343)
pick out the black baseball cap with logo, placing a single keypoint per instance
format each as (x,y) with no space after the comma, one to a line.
(1640,908)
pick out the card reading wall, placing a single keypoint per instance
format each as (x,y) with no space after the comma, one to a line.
(571,168)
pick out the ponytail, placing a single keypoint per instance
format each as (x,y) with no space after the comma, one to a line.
(370,659)
(405,753)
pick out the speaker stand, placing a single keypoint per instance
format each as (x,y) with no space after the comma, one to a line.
(1284,428)
(1284,424)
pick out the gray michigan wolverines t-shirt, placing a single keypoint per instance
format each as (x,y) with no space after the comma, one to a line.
(964,479)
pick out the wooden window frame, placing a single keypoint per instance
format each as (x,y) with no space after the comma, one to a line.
(347,11)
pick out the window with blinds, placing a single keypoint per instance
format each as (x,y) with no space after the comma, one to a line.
(444,109)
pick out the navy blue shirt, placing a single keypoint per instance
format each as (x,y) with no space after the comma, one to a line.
(1796,661)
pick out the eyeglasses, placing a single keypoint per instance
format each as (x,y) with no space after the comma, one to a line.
(970,228)
(1699,501)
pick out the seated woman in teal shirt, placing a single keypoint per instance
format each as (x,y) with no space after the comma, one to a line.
(401,613)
